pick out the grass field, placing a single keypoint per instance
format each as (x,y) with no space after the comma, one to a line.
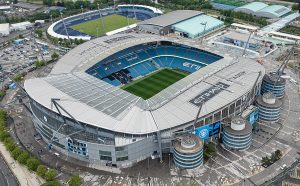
(151,84)
(111,22)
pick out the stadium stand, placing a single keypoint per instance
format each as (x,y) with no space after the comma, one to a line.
(139,12)
(140,60)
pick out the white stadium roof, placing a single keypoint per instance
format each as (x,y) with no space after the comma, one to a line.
(155,10)
(95,102)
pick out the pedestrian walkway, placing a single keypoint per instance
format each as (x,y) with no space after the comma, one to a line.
(279,24)
(25,177)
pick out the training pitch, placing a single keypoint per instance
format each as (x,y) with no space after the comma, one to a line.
(111,22)
(151,84)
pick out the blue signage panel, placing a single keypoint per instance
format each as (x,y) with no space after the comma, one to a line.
(209,130)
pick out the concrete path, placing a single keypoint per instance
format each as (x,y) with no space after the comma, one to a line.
(25,177)
(279,24)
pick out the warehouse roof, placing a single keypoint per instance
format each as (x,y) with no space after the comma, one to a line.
(275,10)
(264,10)
(171,18)
(254,6)
(240,36)
(196,25)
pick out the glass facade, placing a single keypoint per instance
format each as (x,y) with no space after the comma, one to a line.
(238,141)
(188,161)
(268,114)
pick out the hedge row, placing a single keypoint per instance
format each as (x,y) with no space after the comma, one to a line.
(22,156)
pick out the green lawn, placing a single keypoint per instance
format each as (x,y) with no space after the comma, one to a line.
(291,30)
(151,84)
(111,22)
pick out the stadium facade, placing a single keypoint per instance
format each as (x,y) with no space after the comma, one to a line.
(85,115)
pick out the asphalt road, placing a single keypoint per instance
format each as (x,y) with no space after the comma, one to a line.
(6,176)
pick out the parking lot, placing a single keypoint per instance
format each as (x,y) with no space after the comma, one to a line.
(19,58)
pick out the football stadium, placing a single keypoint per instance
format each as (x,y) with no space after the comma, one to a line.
(117,100)
(96,23)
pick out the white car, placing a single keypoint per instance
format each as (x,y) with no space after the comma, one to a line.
(293,81)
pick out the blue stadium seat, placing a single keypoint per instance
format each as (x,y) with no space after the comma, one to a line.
(112,82)
(139,60)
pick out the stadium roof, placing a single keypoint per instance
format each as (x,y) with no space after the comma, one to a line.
(171,18)
(264,10)
(195,26)
(97,103)
(155,10)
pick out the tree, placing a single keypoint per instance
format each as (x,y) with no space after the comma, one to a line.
(39,32)
(209,150)
(10,144)
(74,181)
(32,163)
(2,93)
(16,153)
(23,157)
(51,183)
(48,2)
(50,175)
(18,78)
(54,56)
(39,64)
(278,154)
(266,161)
(295,7)
(41,170)
(3,135)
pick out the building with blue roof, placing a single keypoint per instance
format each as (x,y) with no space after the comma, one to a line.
(197,26)
(188,23)
(263,10)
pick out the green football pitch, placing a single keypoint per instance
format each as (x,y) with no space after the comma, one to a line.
(151,84)
(111,22)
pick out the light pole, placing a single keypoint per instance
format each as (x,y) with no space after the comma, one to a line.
(203,31)
(65,27)
(51,18)
(169,160)
(100,14)
(82,11)
(133,9)
(246,45)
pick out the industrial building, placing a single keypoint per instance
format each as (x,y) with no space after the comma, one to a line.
(240,39)
(263,10)
(81,111)
(197,26)
(21,26)
(4,29)
(188,23)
